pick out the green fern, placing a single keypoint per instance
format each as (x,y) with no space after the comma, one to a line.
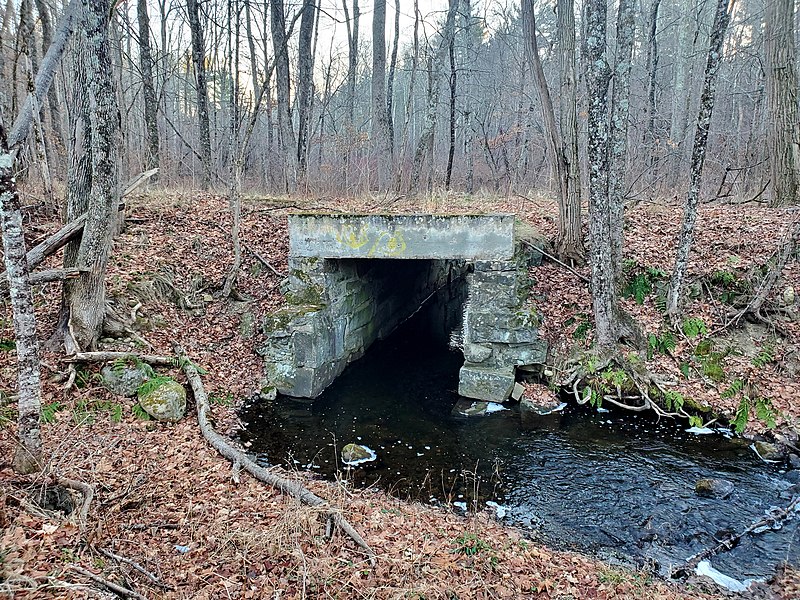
(742,415)
(152,384)
(735,387)
(140,413)
(694,326)
(638,288)
(765,412)
(49,411)
(684,368)
(765,356)
(664,344)
(695,421)
(673,400)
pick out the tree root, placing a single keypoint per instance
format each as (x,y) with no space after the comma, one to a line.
(88,495)
(123,592)
(286,486)
(636,395)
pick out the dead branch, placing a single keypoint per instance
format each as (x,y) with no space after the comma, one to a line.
(153,579)
(292,488)
(554,259)
(88,496)
(262,260)
(117,589)
(152,359)
(47,276)
(137,181)
(771,520)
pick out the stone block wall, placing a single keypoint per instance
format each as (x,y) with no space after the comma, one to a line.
(500,331)
(337,309)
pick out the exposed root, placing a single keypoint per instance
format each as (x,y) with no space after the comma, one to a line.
(292,488)
(619,381)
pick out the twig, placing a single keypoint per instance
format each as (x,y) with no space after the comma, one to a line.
(117,589)
(554,259)
(155,580)
(292,488)
(262,260)
(88,495)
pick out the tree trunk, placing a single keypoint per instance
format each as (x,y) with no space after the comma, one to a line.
(390,80)
(469,139)
(350,98)
(452,121)
(305,84)
(151,145)
(382,155)
(569,244)
(199,62)
(52,95)
(598,74)
(286,137)
(425,143)
(784,126)
(86,299)
(618,140)
(28,452)
(721,19)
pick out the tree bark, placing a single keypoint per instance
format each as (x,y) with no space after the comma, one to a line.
(382,155)
(451,150)
(85,300)
(469,139)
(783,136)
(286,144)
(350,98)
(199,62)
(28,452)
(618,134)
(391,78)
(721,19)
(305,84)
(151,145)
(598,74)
(52,96)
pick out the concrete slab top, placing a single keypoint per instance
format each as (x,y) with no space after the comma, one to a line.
(402,236)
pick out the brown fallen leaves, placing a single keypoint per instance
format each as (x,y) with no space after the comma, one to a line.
(167,501)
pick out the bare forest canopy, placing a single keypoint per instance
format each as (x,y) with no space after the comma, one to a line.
(411,95)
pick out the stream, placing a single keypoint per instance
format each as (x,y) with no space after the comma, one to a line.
(616,485)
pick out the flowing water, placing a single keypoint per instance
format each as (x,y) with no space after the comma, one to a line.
(616,485)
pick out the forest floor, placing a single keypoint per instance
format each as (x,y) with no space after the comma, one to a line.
(167,501)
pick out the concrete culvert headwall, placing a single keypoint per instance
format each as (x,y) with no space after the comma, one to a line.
(354,279)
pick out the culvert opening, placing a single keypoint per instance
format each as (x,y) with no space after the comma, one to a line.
(354,279)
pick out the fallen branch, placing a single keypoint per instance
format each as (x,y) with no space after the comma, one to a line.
(151,359)
(554,259)
(772,520)
(262,260)
(153,579)
(47,276)
(88,495)
(292,488)
(137,181)
(117,589)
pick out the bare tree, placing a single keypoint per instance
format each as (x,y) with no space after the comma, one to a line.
(382,153)
(148,89)
(784,124)
(352,67)
(86,298)
(305,84)
(721,19)
(52,96)
(563,158)
(286,144)
(199,62)
(436,68)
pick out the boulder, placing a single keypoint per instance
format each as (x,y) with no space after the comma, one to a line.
(711,487)
(167,402)
(794,461)
(356,454)
(471,408)
(124,381)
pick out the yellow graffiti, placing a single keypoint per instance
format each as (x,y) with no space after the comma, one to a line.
(348,236)
(391,244)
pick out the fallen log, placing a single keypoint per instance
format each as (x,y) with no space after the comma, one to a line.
(286,486)
(292,488)
(47,276)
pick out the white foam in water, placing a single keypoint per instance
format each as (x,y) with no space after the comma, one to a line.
(494,407)
(704,568)
(372,456)
(499,511)
(461,505)
(700,430)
